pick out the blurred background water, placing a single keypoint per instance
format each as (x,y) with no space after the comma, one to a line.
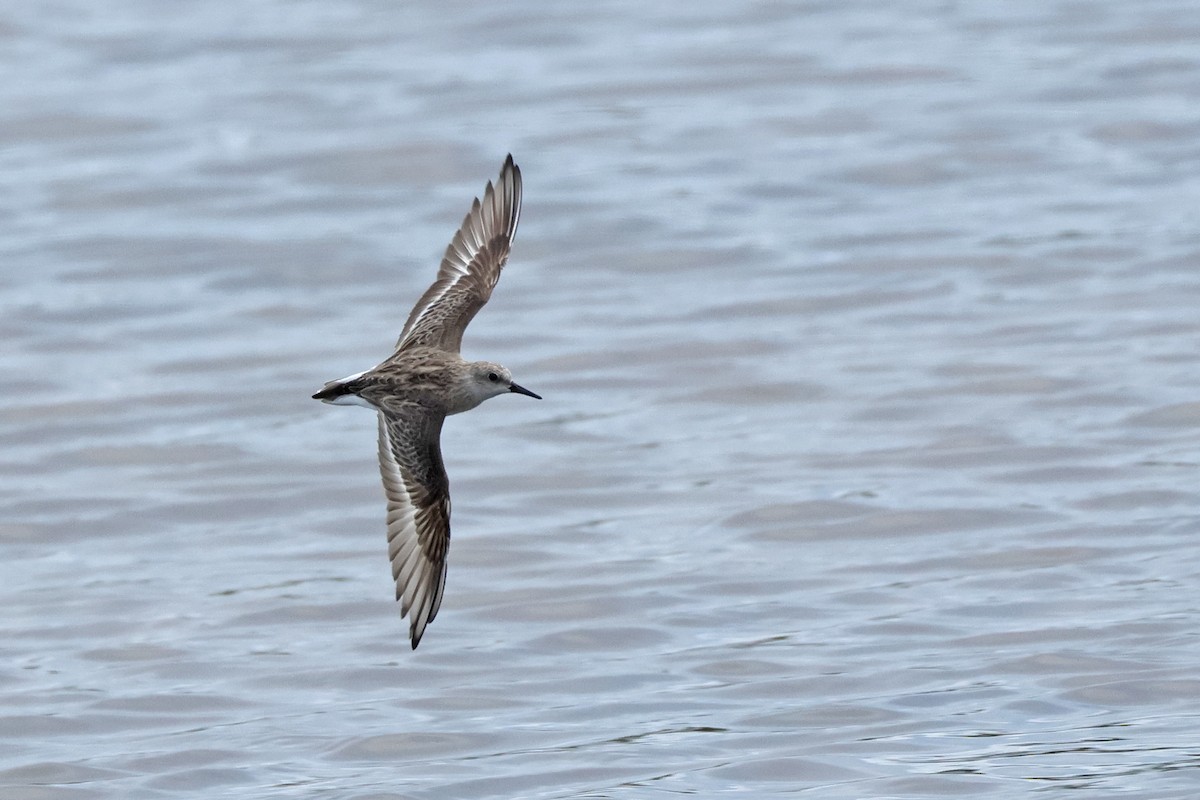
(870,341)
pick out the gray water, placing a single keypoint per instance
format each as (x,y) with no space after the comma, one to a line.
(870,342)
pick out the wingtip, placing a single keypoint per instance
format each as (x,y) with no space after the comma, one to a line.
(510,166)
(415,634)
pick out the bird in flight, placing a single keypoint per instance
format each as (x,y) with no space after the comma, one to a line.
(425,380)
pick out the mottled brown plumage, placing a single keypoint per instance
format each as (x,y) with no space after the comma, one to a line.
(425,380)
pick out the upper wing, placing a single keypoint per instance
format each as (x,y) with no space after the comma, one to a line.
(418,518)
(470,267)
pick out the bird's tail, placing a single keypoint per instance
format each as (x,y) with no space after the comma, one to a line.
(339,392)
(332,391)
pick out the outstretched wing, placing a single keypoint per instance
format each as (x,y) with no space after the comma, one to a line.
(470,267)
(418,516)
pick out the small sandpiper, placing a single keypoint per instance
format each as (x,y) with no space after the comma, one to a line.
(422,382)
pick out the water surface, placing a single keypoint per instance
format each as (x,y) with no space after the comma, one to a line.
(868,460)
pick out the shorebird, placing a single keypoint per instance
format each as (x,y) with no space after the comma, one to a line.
(425,380)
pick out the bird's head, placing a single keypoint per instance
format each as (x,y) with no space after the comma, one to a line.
(486,380)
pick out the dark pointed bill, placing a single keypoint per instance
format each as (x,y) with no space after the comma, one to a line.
(522,390)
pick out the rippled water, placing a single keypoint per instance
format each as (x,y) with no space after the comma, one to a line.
(870,343)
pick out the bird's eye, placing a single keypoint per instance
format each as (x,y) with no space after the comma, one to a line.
(493,377)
